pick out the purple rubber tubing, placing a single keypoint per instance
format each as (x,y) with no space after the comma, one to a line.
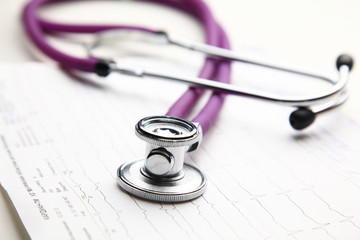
(212,69)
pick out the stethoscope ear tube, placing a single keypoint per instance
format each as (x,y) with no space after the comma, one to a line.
(162,38)
(301,118)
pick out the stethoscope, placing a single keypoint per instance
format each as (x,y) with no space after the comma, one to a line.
(162,175)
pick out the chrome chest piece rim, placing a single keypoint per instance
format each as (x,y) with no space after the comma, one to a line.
(132,179)
(162,175)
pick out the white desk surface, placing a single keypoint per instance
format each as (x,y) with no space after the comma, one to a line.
(309,32)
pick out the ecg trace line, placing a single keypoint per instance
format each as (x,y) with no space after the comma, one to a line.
(342,174)
(206,220)
(174,220)
(97,188)
(144,212)
(85,195)
(41,124)
(285,192)
(212,205)
(187,222)
(97,213)
(115,211)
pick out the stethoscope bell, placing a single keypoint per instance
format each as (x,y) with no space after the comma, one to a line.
(162,175)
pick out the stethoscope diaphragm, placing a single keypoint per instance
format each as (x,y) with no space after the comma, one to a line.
(162,175)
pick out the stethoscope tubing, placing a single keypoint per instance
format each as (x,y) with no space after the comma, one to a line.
(240,91)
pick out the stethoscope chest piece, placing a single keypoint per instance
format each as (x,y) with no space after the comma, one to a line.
(162,175)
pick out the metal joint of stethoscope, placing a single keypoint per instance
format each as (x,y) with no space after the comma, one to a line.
(162,174)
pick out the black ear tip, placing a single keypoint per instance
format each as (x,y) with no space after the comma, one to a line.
(160,32)
(302,118)
(344,59)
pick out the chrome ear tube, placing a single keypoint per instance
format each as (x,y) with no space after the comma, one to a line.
(307,106)
(162,175)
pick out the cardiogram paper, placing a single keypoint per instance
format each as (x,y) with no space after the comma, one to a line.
(62,139)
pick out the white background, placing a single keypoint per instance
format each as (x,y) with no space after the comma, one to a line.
(305,33)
